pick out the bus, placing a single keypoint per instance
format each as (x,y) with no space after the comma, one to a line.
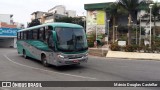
(54,43)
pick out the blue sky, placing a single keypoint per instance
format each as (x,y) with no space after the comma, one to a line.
(22,9)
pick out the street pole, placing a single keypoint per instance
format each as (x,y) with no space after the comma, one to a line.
(96,32)
(136,33)
(84,23)
(108,31)
(150,44)
(84,18)
(116,31)
(140,32)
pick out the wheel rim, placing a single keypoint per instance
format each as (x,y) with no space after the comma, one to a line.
(24,54)
(45,62)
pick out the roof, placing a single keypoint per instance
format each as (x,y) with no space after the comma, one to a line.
(57,24)
(56,7)
(96,6)
(38,12)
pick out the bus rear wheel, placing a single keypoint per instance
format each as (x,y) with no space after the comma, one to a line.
(44,61)
(24,54)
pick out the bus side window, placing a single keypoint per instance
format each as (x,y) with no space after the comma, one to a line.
(41,34)
(51,42)
(35,32)
(18,35)
(25,35)
(21,35)
(47,31)
(30,34)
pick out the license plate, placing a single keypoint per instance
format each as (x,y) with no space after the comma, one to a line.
(75,61)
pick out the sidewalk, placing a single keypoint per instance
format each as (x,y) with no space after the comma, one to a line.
(133,55)
(98,51)
(104,52)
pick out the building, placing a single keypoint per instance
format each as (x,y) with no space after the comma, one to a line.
(37,15)
(8,31)
(97,18)
(7,18)
(52,14)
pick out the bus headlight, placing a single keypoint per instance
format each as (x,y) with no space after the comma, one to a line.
(60,56)
(86,54)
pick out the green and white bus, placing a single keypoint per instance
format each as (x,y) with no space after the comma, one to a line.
(54,43)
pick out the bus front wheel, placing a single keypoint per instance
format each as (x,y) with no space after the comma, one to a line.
(24,54)
(44,60)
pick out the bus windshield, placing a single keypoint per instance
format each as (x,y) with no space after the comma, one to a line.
(71,39)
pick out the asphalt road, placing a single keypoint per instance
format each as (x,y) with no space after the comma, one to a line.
(14,67)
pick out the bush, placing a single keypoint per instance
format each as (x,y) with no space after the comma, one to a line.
(115,47)
(129,48)
(90,44)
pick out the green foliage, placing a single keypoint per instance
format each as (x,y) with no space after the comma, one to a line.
(34,22)
(155,9)
(75,20)
(91,38)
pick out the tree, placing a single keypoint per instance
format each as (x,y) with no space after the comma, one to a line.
(114,10)
(75,20)
(34,22)
(155,13)
(132,7)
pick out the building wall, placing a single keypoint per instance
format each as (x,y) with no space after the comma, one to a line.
(7,42)
(71,13)
(7,18)
(95,22)
(60,9)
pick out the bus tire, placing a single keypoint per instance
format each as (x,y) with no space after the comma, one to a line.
(24,54)
(44,60)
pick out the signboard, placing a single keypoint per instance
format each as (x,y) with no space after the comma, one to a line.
(100,17)
(96,17)
(8,32)
(122,43)
(91,17)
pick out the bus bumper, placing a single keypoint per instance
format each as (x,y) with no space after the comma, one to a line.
(72,61)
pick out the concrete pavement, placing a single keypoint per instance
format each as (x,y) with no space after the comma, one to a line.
(15,67)
(133,55)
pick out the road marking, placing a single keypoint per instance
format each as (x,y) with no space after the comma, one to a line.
(47,70)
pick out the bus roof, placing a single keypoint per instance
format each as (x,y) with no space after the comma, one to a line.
(57,24)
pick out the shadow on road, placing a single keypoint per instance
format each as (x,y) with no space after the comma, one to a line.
(59,68)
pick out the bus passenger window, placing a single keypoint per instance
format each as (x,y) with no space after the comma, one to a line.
(35,34)
(41,34)
(25,35)
(51,42)
(18,35)
(21,35)
(29,34)
(47,31)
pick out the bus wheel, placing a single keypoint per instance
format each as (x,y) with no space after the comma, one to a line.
(24,54)
(44,61)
